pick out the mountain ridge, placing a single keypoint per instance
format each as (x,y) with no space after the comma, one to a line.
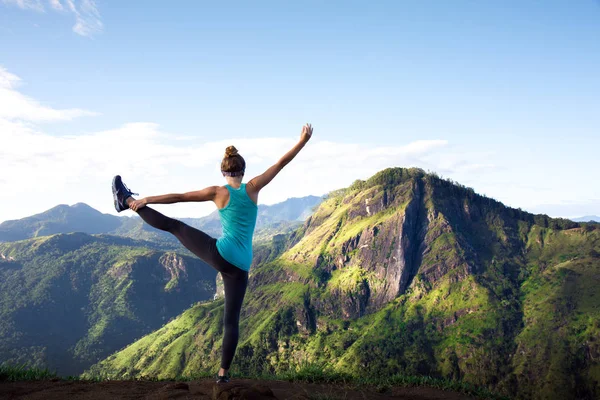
(407,273)
(80,217)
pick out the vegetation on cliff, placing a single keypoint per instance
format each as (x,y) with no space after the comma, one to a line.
(407,273)
(69,300)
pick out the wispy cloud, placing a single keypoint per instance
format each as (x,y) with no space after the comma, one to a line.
(46,169)
(56,5)
(66,169)
(16,106)
(35,5)
(8,80)
(87,16)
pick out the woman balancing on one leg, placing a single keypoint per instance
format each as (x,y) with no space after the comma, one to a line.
(231,254)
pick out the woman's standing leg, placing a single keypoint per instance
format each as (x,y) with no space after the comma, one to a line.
(235,283)
(235,280)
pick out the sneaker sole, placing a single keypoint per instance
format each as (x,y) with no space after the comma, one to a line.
(115,199)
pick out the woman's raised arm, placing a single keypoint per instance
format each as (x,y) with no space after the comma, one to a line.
(262,180)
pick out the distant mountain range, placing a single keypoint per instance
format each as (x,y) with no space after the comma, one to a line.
(60,219)
(83,218)
(587,218)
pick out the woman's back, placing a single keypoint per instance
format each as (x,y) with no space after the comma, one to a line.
(238,219)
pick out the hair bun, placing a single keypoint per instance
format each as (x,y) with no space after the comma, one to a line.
(231,151)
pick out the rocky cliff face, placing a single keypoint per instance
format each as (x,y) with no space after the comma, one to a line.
(368,245)
(175,269)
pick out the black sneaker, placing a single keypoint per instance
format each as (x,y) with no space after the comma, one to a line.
(121,193)
(222,379)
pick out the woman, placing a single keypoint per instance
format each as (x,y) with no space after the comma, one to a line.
(231,254)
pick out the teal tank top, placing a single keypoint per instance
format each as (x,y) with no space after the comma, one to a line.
(238,219)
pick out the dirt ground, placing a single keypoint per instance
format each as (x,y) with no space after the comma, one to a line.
(208,389)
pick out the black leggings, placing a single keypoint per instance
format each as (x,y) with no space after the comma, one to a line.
(235,279)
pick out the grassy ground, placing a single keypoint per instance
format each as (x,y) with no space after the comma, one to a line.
(22,373)
(310,373)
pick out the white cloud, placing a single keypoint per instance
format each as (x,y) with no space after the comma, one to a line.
(56,5)
(16,106)
(26,4)
(8,80)
(47,170)
(41,170)
(87,16)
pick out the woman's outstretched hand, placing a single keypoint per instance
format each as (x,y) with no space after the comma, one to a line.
(137,204)
(306,134)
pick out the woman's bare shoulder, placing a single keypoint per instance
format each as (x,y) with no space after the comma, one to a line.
(221,196)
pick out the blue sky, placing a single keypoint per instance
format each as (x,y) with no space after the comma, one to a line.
(502,96)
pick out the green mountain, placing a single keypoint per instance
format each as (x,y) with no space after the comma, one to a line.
(407,273)
(60,219)
(69,300)
(80,217)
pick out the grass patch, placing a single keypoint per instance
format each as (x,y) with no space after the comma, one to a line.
(306,373)
(320,373)
(314,373)
(14,373)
